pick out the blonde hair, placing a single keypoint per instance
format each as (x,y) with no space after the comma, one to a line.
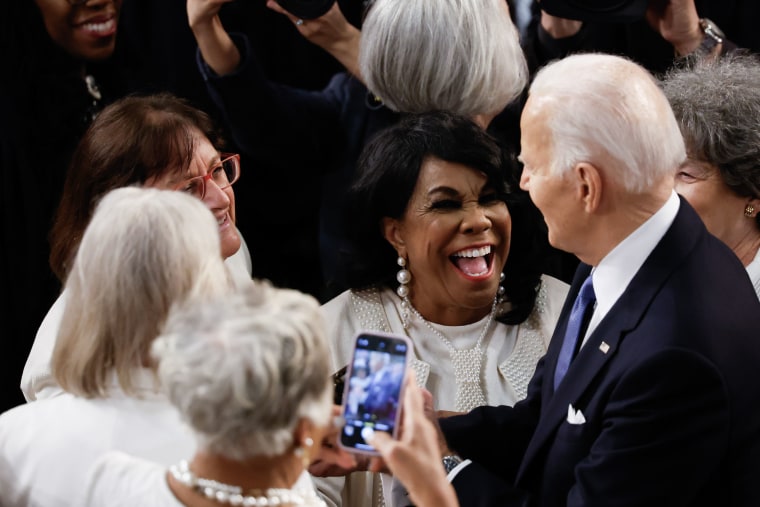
(144,250)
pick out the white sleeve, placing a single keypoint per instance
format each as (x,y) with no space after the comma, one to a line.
(37,380)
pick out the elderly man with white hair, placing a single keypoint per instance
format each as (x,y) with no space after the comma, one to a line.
(645,394)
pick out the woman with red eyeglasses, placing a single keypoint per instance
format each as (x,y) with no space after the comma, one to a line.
(154,141)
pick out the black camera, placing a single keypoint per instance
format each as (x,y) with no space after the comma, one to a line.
(606,11)
(306,9)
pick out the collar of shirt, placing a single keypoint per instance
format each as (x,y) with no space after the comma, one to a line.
(616,270)
(753,270)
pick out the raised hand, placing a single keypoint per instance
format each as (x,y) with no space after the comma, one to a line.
(415,458)
(332,460)
(332,32)
(678,23)
(216,46)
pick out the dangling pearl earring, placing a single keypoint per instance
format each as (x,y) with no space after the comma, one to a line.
(403,277)
(501,290)
(748,210)
(300,452)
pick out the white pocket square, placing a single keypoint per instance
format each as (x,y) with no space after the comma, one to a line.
(575,416)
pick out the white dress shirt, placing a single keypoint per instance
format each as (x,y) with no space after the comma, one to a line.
(616,270)
(753,270)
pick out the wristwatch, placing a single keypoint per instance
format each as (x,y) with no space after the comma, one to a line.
(713,36)
(450,462)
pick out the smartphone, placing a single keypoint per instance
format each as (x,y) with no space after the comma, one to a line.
(374,388)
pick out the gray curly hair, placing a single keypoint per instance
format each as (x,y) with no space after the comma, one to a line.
(243,370)
(717,105)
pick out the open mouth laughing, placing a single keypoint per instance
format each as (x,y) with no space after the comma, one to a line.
(473,262)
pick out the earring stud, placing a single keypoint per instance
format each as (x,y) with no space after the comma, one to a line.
(748,210)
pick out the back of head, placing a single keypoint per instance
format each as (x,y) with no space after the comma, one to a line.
(243,370)
(131,141)
(144,250)
(462,56)
(717,103)
(608,111)
(387,173)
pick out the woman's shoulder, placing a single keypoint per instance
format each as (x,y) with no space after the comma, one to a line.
(120,479)
(350,311)
(549,301)
(554,287)
(338,302)
(355,301)
(36,376)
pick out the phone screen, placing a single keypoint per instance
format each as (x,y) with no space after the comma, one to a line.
(372,394)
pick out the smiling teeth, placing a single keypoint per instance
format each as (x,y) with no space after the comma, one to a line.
(100,27)
(474,252)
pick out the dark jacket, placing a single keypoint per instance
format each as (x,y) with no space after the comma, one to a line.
(665,383)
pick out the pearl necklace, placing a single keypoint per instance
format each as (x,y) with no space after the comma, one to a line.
(233,495)
(468,363)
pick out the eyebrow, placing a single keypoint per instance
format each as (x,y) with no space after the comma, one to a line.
(214,161)
(451,192)
(443,190)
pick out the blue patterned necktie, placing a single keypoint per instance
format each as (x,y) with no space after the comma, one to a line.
(578,315)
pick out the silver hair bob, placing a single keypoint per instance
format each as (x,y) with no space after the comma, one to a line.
(143,251)
(462,56)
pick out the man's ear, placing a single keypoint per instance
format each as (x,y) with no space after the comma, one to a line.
(393,234)
(589,184)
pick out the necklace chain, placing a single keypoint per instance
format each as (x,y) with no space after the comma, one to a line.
(468,363)
(235,495)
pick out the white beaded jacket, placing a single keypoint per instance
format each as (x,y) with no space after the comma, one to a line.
(510,357)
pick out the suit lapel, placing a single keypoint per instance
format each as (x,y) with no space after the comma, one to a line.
(604,342)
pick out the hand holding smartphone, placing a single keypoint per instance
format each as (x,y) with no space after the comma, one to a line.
(374,388)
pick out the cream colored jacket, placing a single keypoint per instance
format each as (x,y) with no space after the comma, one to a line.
(510,357)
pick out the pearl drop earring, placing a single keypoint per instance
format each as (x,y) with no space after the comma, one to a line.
(300,451)
(403,277)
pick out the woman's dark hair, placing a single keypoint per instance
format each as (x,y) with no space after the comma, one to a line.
(131,141)
(388,169)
